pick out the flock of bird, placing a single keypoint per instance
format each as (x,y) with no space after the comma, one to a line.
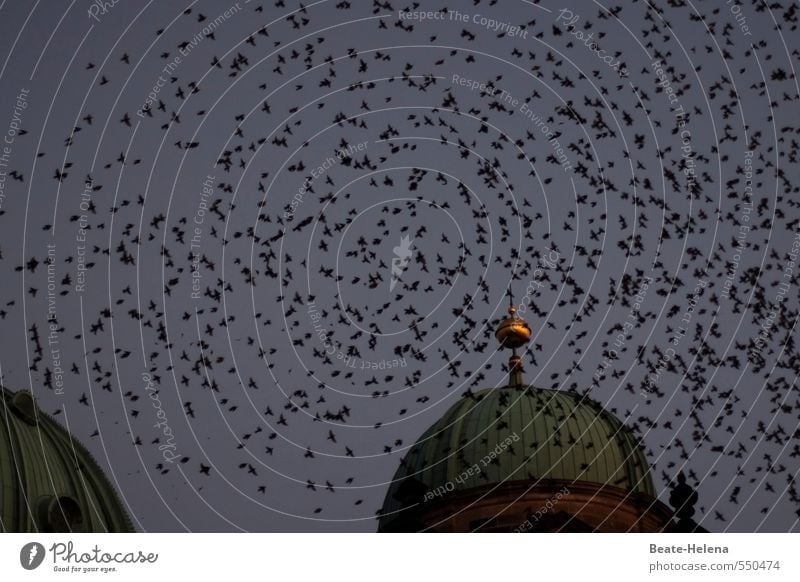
(293,377)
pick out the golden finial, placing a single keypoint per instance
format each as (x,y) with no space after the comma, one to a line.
(513,332)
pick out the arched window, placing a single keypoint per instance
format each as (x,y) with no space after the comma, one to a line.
(60,515)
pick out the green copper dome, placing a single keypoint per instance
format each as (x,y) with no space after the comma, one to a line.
(48,481)
(521,433)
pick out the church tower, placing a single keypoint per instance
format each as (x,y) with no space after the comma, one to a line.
(518,458)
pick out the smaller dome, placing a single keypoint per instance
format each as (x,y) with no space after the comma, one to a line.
(48,481)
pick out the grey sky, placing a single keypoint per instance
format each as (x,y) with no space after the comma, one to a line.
(487,174)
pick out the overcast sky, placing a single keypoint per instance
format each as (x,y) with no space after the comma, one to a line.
(571,162)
